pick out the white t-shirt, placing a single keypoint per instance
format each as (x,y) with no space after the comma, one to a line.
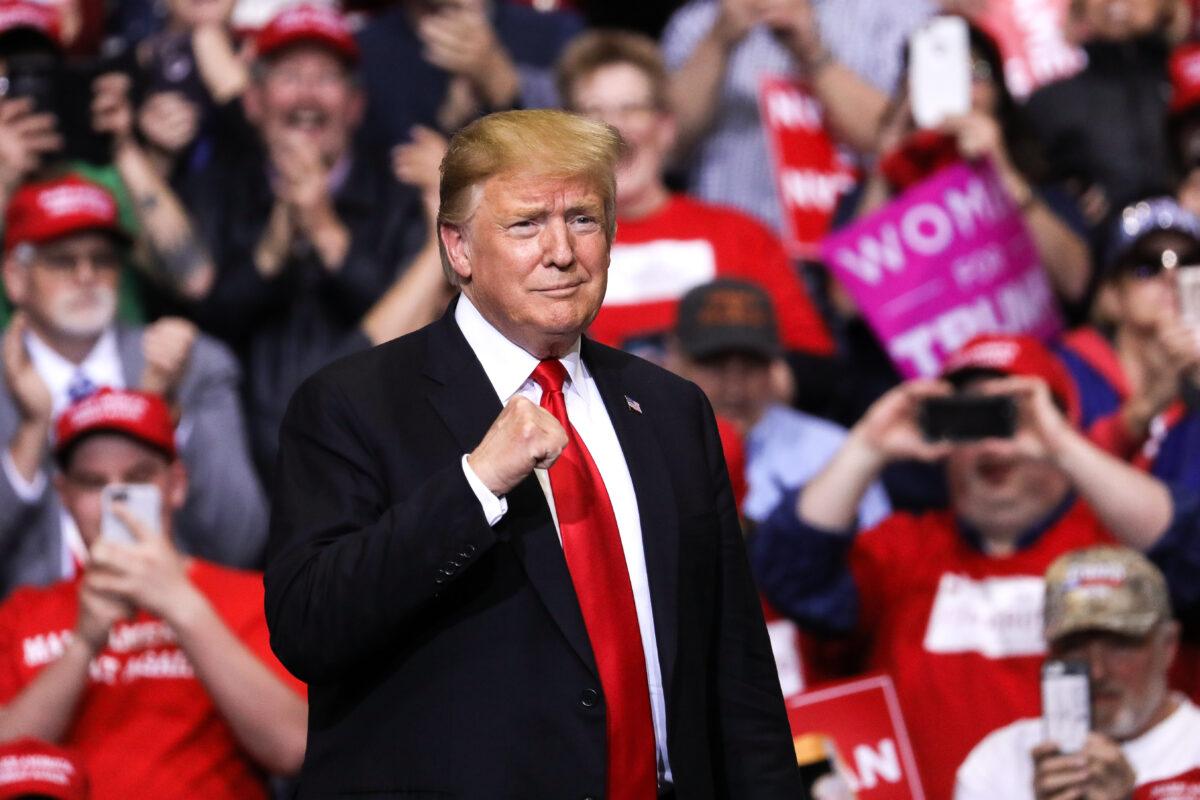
(1165,759)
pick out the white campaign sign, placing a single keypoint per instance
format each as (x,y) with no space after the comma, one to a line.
(995,617)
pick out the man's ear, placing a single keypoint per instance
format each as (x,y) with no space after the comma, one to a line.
(15,280)
(458,249)
(177,489)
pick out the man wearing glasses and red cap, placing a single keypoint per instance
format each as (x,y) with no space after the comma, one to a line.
(949,602)
(62,256)
(153,666)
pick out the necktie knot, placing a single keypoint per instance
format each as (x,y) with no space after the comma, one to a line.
(549,374)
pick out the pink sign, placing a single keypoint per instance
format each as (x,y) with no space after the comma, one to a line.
(1030,36)
(862,718)
(946,260)
(811,173)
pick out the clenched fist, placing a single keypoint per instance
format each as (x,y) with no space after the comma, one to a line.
(523,438)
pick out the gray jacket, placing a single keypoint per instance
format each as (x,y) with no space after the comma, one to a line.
(225,518)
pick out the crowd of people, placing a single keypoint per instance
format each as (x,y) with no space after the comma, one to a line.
(207,201)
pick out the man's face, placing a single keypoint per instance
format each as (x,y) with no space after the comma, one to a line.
(997,488)
(622,96)
(307,90)
(1128,675)
(737,384)
(1144,287)
(107,458)
(533,258)
(69,288)
(1121,20)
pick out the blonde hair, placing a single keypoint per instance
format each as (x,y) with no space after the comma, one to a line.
(596,49)
(541,143)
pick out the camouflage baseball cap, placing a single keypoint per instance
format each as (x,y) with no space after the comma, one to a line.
(1104,588)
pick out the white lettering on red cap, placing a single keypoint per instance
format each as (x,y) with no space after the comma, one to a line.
(996,355)
(36,767)
(308,18)
(113,407)
(26,16)
(67,200)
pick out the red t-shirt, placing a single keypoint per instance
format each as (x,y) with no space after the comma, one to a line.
(657,259)
(960,632)
(145,726)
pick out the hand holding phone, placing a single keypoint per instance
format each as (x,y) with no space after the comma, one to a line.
(142,500)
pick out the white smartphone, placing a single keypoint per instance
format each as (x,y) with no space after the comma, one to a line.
(1066,704)
(1187,280)
(939,71)
(144,502)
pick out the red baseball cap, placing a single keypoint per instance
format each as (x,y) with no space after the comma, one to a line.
(17,14)
(141,415)
(1184,69)
(1012,354)
(33,767)
(308,23)
(44,211)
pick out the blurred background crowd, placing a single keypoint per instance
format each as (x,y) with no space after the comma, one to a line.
(205,201)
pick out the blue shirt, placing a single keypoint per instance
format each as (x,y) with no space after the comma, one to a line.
(784,450)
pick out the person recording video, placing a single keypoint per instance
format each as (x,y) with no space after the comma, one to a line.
(154,666)
(1107,613)
(948,602)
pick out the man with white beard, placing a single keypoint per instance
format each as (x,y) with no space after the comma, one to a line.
(62,257)
(1106,609)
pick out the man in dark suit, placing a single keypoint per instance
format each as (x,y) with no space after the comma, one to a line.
(542,598)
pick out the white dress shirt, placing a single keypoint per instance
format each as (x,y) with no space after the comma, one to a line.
(508,368)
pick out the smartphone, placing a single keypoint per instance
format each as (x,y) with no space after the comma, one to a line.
(35,76)
(144,502)
(968,417)
(939,71)
(1187,281)
(1066,704)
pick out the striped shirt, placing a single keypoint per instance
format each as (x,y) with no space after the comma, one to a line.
(731,165)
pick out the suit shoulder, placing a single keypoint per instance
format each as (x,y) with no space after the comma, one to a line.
(379,367)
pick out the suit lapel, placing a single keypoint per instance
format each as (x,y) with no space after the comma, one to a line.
(466,401)
(652,485)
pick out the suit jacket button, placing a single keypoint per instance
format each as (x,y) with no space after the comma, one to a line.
(588,698)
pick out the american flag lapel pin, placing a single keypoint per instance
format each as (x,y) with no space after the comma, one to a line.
(634,405)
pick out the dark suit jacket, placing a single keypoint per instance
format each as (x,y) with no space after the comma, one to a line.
(447,658)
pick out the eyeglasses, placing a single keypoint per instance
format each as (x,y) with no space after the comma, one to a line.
(67,263)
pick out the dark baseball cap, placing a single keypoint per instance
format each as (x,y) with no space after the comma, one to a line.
(727,316)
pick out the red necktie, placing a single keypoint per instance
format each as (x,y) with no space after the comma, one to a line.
(592,545)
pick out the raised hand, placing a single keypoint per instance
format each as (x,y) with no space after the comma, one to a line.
(26,138)
(524,437)
(28,390)
(167,347)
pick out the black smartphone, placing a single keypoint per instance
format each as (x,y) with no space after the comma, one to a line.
(968,417)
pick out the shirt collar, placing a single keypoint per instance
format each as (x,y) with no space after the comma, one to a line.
(1030,536)
(508,366)
(102,365)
